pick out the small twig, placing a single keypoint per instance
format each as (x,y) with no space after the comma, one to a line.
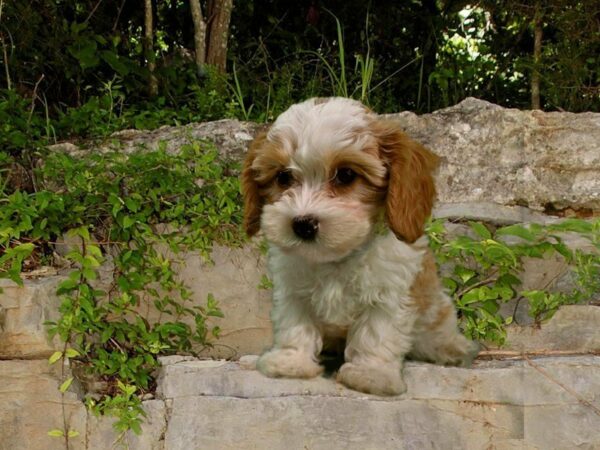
(92,12)
(5,55)
(116,344)
(118,15)
(34,98)
(579,398)
(517,303)
(510,354)
(487,280)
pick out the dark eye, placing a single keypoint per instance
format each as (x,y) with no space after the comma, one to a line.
(284,178)
(344,176)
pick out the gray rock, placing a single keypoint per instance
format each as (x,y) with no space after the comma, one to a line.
(23,311)
(573,328)
(490,212)
(512,157)
(233,278)
(102,435)
(497,404)
(231,137)
(30,406)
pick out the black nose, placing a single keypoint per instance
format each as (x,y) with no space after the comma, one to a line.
(305,227)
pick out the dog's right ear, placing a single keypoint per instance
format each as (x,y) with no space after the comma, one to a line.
(253,202)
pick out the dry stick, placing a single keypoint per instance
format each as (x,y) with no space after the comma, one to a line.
(4,52)
(510,354)
(92,12)
(118,15)
(34,98)
(487,280)
(566,388)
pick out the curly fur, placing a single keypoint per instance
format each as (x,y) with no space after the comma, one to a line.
(377,289)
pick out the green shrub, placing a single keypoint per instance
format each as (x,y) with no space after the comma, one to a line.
(142,211)
(487,271)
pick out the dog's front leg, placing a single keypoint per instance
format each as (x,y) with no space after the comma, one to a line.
(297,341)
(376,345)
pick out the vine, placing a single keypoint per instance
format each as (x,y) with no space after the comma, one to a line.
(141,226)
(487,267)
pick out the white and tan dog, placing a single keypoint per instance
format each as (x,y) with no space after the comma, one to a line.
(342,196)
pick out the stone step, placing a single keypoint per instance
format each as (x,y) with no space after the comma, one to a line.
(497,404)
(540,403)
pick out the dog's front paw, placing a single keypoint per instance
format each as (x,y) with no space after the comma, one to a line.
(384,379)
(458,352)
(288,363)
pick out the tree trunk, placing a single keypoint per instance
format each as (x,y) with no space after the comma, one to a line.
(537,55)
(199,35)
(219,14)
(149,47)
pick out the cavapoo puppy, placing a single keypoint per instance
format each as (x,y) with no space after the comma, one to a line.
(342,196)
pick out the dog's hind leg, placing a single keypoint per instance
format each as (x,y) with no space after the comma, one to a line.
(437,338)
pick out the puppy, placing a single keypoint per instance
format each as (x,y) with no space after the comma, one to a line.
(342,196)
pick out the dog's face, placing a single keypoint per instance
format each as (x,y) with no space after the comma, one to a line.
(316,182)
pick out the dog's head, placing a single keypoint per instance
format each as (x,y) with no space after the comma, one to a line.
(316,182)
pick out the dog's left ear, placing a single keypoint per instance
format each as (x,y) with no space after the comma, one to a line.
(253,201)
(411,188)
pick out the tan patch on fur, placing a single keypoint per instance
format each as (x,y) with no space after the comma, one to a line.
(411,190)
(442,315)
(269,160)
(366,165)
(426,285)
(263,161)
(252,199)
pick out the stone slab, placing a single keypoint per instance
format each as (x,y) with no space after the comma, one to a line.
(101,434)
(496,404)
(298,423)
(486,382)
(572,328)
(544,160)
(23,311)
(30,406)
(490,212)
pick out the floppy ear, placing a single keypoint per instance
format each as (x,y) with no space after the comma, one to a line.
(253,202)
(411,188)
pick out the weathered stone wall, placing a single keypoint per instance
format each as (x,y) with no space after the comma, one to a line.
(227,405)
(498,165)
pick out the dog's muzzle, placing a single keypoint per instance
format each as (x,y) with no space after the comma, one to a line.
(305,227)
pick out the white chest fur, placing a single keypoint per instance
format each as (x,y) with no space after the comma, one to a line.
(381,273)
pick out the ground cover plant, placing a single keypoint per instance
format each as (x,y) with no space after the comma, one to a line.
(140,211)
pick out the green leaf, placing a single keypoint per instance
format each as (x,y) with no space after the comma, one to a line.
(575,225)
(132,204)
(128,221)
(450,284)
(54,357)
(89,274)
(73,433)
(56,433)
(94,251)
(516,230)
(66,384)
(481,230)
(463,273)
(71,353)
(116,62)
